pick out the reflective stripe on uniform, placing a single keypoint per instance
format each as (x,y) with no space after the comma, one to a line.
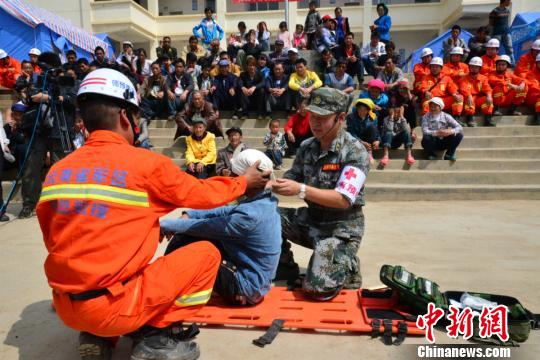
(197,298)
(96,192)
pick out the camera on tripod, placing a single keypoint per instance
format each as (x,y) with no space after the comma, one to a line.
(52,114)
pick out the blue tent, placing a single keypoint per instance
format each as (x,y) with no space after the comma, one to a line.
(24,26)
(436,45)
(525,29)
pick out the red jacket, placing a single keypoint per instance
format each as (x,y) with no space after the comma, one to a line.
(9,73)
(525,64)
(100,207)
(533,79)
(298,124)
(488,65)
(455,70)
(478,86)
(420,70)
(445,86)
(499,82)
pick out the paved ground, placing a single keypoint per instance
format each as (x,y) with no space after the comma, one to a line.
(480,246)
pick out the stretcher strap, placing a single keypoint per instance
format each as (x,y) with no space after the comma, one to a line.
(375,328)
(387,334)
(402,333)
(270,334)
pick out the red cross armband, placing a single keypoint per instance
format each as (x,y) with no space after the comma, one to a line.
(350,182)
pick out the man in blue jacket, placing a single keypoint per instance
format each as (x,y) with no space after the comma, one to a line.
(248,236)
(209,27)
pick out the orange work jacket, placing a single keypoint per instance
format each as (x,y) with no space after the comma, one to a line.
(100,207)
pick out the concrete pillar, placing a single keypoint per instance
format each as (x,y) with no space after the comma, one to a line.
(293,16)
(367,21)
(152,45)
(221,9)
(153,7)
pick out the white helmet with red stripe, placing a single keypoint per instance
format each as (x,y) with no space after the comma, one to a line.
(111,83)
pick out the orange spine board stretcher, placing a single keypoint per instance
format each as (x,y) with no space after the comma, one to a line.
(346,312)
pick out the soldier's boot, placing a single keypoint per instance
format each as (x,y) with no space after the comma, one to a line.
(497,111)
(488,121)
(287,269)
(514,111)
(160,344)
(353,281)
(322,295)
(93,347)
(470,121)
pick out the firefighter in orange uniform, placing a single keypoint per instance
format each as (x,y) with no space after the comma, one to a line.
(438,85)
(533,95)
(99,213)
(456,68)
(33,54)
(476,94)
(488,60)
(422,68)
(10,69)
(527,62)
(509,90)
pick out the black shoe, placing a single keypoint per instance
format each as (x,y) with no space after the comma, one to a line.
(497,112)
(488,121)
(514,111)
(93,347)
(26,212)
(460,122)
(162,344)
(470,121)
(287,271)
(4,218)
(536,119)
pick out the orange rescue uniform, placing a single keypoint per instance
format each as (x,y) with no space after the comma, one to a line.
(477,87)
(9,73)
(443,87)
(99,213)
(533,95)
(455,70)
(36,68)
(488,65)
(502,95)
(420,70)
(525,64)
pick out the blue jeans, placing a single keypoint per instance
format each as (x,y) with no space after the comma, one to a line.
(175,105)
(506,42)
(151,107)
(369,66)
(276,156)
(394,142)
(450,143)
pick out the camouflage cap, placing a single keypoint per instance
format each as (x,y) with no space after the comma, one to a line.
(327,101)
(198,119)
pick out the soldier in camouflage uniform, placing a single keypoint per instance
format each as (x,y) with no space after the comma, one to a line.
(328,173)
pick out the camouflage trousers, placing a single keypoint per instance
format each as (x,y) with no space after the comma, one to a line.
(333,264)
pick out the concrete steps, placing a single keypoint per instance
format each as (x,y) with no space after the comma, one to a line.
(469,142)
(493,163)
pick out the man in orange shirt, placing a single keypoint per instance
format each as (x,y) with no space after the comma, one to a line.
(527,62)
(488,60)
(10,69)
(422,68)
(99,213)
(456,69)
(533,95)
(33,54)
(476,93)
(436,84)
(509,90)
